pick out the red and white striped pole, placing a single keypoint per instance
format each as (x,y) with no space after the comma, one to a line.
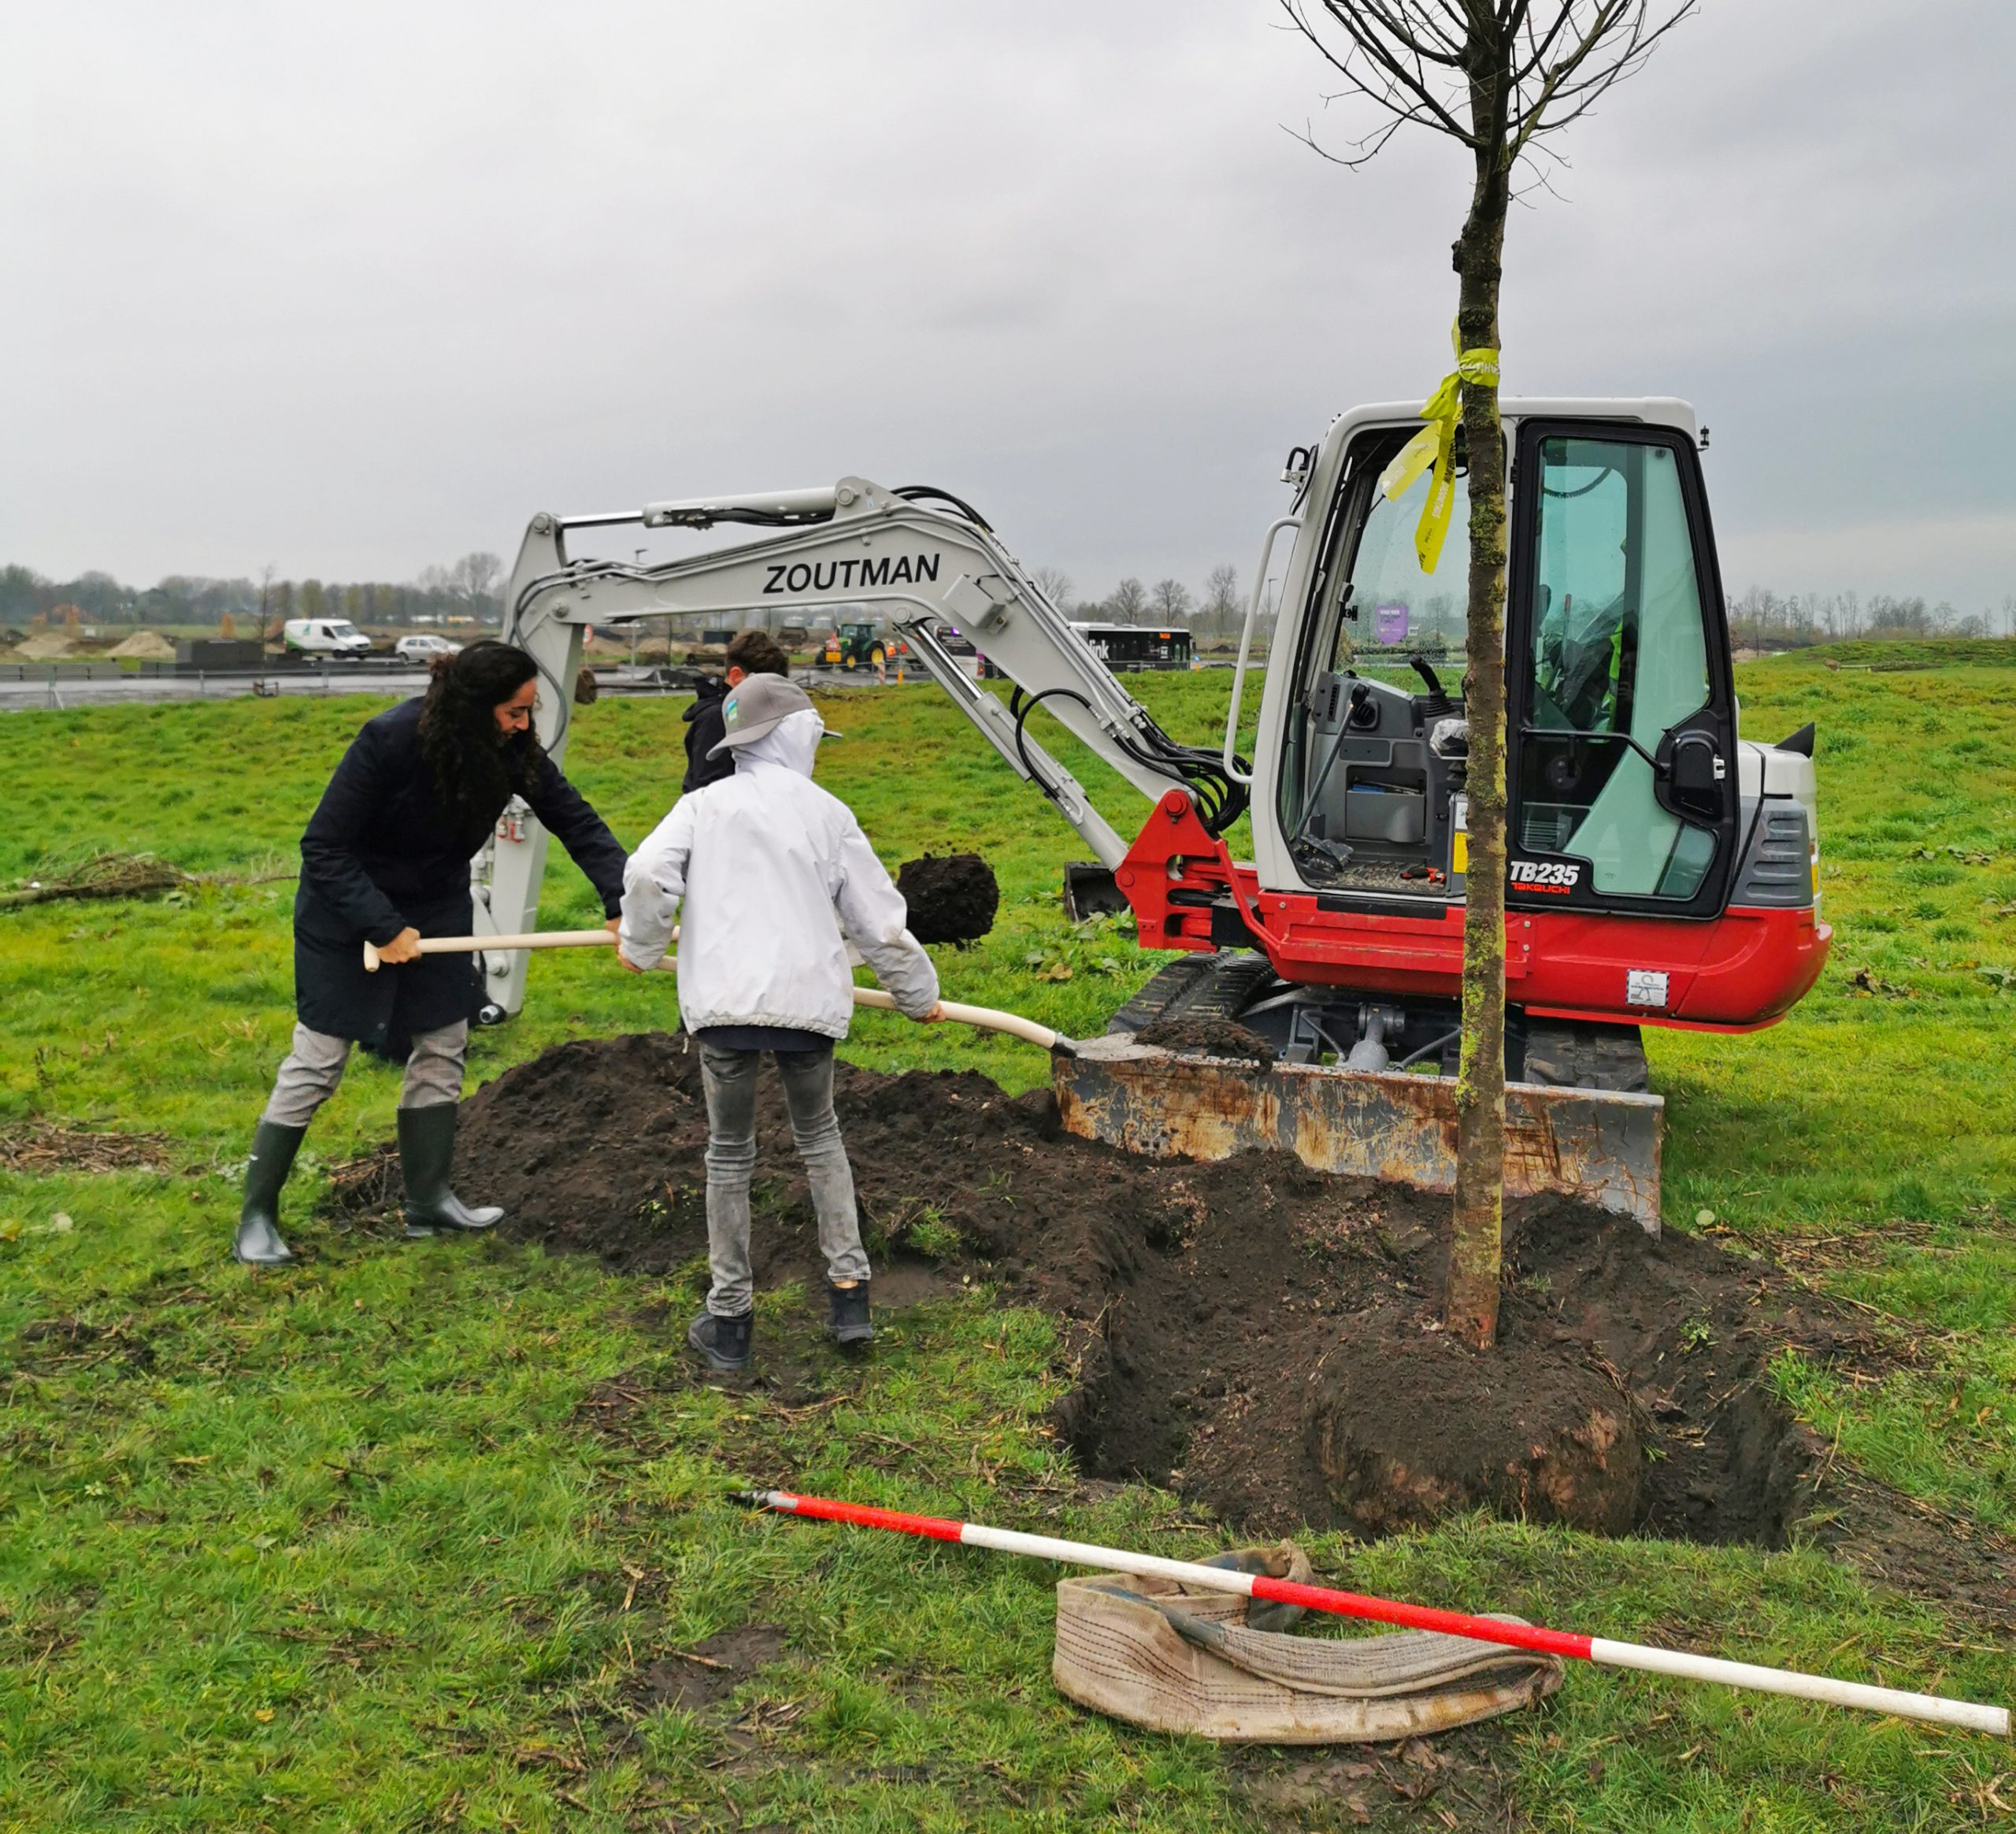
(1589,1649)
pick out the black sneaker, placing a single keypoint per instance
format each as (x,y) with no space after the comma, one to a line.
(847,1313)
(723,1341)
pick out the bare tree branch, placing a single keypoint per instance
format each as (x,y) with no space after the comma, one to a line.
(1366,150)
(1397,60)
(1409,59)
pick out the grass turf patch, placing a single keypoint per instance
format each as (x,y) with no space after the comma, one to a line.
(384,1542)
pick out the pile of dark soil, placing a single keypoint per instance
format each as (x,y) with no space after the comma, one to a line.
(952,897)
(1208,1038)
(1248,1333)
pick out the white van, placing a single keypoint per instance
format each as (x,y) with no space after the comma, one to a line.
(325,636)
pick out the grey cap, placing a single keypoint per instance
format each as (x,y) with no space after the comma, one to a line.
(756,705)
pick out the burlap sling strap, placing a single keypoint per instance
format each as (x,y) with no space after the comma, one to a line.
(1213,1663)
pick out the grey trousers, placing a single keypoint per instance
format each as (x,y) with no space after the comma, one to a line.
(730,1077)
(314,1067)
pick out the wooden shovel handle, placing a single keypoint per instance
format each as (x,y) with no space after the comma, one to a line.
(985,1018)
(469,945)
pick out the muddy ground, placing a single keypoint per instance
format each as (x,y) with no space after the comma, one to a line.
(1208,1308)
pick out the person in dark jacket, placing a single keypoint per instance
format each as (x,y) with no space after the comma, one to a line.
(750,653)
(385,860)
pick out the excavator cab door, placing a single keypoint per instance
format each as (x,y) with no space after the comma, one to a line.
(1622,764)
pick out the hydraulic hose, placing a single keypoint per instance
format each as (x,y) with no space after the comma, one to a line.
(1221,799)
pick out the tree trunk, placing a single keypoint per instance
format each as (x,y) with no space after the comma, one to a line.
(1470,1304)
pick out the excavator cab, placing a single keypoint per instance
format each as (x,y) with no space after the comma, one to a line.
(1622,718)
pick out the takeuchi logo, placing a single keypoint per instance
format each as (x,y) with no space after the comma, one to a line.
(851,576)
(1558,876)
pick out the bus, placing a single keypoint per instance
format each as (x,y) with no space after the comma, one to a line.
(1125,648)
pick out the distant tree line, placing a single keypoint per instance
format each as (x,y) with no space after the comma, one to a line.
(1761,619)
(467,589)
(1215,612)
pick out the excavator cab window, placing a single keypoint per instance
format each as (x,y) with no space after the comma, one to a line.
(1615,669)
(1385,572)
(1367,802)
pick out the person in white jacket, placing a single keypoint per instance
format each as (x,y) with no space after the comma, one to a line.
(775,878)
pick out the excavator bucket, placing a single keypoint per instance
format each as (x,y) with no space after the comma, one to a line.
(1599,1146)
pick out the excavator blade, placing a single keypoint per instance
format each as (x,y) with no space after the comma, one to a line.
(1599,1146)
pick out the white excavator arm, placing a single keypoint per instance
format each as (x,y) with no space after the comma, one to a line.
(928,560)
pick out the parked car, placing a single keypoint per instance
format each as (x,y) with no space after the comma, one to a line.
(325,636)
(421,648)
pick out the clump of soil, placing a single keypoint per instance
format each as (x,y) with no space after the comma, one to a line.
(1254,1335)
(1208,1038)
(952,897)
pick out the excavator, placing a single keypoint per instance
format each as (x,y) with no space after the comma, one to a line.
(1662,870)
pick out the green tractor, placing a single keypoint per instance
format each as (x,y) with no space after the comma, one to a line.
(859,645)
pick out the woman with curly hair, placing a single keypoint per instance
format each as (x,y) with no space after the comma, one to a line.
(385,860)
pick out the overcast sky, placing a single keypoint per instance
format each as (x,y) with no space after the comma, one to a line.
(353,289)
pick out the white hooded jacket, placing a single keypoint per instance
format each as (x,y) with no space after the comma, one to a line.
(776,877)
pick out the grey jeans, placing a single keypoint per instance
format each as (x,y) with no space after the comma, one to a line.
(314,1067)
(730,1077)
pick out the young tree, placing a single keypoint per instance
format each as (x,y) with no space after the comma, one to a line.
(1171,599)
(1497,77)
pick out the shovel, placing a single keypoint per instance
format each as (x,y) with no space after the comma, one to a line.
(985,1018)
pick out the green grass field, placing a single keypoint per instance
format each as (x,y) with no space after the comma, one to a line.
(371,1543)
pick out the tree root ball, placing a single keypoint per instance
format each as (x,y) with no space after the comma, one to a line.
(952,897)
(1409,1426)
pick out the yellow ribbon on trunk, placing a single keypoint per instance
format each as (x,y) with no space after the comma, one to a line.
(1434,445)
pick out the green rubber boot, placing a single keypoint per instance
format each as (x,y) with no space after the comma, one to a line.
(257,1242)
(427,1150)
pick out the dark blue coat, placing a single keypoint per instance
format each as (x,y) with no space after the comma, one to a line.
(705,729)
(383,853)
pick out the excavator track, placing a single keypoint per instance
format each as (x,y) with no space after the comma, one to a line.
(1197,986)
(1563,1055)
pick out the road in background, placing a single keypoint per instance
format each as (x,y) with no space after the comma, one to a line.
(58,692)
